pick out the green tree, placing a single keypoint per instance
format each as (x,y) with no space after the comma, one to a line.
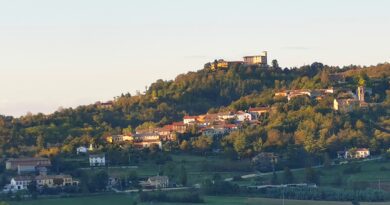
(98,181)
(183,175)
(275,64)
(327,161)
(203,143)
(184,145)
(40,142)
(274,179)
(32,188)
(312,176)
(288,176)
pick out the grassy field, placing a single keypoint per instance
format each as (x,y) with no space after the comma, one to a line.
(370,173)
(127,200)
(193,165)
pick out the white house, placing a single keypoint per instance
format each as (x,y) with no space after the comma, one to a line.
(243,116)
(226,115)
(156,182)
(189,119)
(359,153)
(97,160)
(18,183)
(82,150)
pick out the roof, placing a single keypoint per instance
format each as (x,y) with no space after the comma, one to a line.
(362,150)
(167,128)
(158,178)
(189,117)
(230,126)
(22,178)
(178,124)
(97,155)
(253,56)
(26,159)
(145,134)
(62,176)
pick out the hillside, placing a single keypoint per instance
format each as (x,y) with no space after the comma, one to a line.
(194,93)
(378,71)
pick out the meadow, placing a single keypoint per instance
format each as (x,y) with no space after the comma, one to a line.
(128,199)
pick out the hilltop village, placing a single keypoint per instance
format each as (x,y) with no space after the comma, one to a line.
(247,116)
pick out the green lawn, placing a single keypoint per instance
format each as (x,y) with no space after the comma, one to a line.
(126,200)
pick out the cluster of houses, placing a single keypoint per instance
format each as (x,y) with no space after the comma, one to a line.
(247,60)
(312,93)
(35,169)
(352,101)
(212,125)
(31,170)
(355,153)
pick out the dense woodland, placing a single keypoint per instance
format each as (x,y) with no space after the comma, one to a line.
(297,127)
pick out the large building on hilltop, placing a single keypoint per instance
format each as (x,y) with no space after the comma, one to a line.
(257,59)
(248,60)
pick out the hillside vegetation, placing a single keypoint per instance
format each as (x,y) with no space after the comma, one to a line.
(301,121)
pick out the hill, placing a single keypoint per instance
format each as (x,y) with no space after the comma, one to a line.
(194,93)
(378,71)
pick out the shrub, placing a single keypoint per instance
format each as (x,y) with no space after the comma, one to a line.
(182,197)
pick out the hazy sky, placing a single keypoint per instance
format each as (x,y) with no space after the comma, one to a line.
(69,52)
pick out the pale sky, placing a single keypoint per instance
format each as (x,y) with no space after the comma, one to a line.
(70,52)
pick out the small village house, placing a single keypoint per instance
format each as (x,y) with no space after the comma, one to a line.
(226,115)
(219,64)
(281,93)
(81,150)
(256,112)
(156,182)
(354,153)
(27,162)
(119,138)
(18,183)
(146,136)
(55,181)
(359,153)
(179,127)
(189,119)
(345,105)
(97,160)
(243,116)
(105,105)
(148,143)
(296,93)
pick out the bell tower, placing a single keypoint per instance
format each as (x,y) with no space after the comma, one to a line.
(360,93)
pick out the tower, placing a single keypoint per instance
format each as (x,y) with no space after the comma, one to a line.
(360,93)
